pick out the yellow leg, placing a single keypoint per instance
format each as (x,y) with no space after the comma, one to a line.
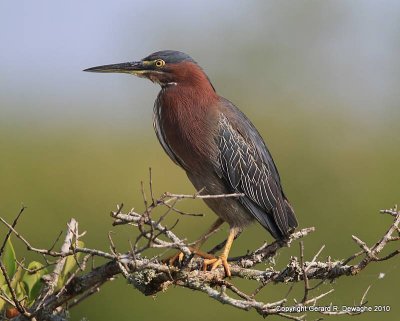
(223,258)
(196,247)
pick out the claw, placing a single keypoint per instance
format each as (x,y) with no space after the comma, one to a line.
(178,256)
(216,262)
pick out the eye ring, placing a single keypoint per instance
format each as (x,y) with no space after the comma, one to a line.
(159,63)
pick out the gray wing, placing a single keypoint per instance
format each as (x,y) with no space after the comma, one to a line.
(247,167)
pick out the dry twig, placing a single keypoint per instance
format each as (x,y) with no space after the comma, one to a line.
(151,276)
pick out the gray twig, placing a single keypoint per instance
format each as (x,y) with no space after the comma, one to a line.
(150,276)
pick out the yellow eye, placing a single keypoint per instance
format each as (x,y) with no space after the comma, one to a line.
(159,63)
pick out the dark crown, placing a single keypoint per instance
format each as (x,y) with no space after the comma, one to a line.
(169,56)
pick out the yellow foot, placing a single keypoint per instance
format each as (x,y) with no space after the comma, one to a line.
(171,260)
(179,256)
(216,262)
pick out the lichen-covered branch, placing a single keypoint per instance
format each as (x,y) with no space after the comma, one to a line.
(63,289)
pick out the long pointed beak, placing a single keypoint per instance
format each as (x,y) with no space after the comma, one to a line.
(134,68)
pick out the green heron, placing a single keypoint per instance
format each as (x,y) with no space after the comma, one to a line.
(218,147)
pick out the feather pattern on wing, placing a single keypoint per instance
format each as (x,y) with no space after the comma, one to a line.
(247,166)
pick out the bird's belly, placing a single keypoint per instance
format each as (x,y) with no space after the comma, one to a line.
(227,208)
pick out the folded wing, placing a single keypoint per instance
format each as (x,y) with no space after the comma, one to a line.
(247,167)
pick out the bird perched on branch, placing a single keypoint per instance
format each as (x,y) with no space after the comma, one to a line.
(217,145)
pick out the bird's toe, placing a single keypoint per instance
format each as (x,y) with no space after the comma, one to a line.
(216,262)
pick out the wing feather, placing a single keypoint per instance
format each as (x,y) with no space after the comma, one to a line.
(247,166)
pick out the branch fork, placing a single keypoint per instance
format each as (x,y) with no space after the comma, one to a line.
(150,276)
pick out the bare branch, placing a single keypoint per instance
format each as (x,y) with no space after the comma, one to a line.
(151,276)
(10,230)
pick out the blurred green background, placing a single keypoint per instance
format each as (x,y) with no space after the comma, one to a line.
(319,79)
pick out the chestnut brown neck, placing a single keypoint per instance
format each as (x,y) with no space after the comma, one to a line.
(186,114)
